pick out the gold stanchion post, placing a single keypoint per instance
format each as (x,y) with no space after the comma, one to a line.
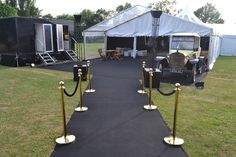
(90,90)
(142,91)
(173,140)
(150,107)
(65,139)
(81,108)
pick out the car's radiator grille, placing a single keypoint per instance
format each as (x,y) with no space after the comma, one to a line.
(177,60)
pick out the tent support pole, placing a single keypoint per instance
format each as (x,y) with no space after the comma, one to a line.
(105,42)
(85,54)
(134,46)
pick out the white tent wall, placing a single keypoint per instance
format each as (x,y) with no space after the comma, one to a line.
(228,47)
(214,50)
(228,38)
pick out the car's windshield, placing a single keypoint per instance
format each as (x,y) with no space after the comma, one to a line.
(182,43)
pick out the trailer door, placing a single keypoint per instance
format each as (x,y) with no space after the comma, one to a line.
(60,43)
(48,39)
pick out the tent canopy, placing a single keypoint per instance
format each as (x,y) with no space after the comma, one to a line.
(118,19)
(137,21)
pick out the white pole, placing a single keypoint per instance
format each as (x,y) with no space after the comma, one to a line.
(17,60)
(170,39)
(105,43)
(85,54)
(134,47)
(210,51)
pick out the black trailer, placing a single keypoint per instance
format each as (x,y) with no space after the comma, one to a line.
(23,40)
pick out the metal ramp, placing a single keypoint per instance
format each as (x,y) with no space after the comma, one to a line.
(46,58)
(72,55)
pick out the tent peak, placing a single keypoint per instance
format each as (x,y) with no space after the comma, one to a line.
(188,15)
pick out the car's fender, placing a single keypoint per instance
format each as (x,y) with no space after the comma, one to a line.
(193,61)
(159,58)
(162,60)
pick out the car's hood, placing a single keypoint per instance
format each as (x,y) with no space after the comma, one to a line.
(184,52)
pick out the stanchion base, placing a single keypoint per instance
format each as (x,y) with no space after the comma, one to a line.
(81,109)
(150,107)
(67,140)
(141,91)
(90,91)
(174,141)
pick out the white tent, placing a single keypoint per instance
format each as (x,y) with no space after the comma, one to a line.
(188,15)
(228,38)
(228,47)
(138,21)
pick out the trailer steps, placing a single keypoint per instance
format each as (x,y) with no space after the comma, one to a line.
(72,55)
(46,58)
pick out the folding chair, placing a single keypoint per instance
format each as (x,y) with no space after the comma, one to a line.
(118,53)
(101,54)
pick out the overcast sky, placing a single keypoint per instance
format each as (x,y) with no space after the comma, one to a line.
(58,7)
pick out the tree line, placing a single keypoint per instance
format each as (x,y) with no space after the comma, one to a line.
(207,13)
(19,8)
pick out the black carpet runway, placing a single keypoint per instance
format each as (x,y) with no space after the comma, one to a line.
(116,125)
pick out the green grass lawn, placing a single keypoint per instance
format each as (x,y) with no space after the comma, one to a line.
(92,49)
(207,118)
(30,108)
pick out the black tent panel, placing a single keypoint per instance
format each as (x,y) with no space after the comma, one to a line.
(26,34)
(8,40)
(142,43)
(124,42)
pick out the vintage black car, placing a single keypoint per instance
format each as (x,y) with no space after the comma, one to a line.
(184,56)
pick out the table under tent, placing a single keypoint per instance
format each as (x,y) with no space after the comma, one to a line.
(134,27)
(26,40)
